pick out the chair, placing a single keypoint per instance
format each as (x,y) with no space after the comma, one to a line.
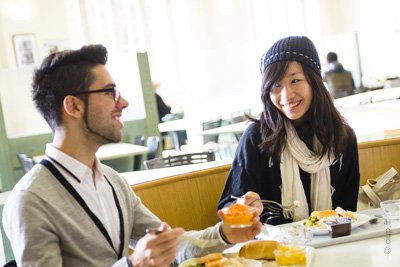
(178,160)
(340,84)
(153,143)
(207,125)
(26,162)
(139,140)
(155,163)
(239,116)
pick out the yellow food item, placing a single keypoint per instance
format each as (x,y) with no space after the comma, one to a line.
(261,249)
(287,256)
(326,214)
(210,257)
(318,218)
(217,263)
(238,207)
(238,214)
(346,214)
(284,249)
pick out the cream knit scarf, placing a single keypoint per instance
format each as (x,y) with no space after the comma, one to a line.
(296,154)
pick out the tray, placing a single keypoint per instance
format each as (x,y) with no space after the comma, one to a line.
(271,263)
(366,231)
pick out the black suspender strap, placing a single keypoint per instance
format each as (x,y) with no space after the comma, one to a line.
(121,219)
(79,199)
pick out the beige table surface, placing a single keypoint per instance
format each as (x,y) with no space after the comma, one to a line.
(172,126)
(139,177)
(374,248)
(112,151)
(239,127)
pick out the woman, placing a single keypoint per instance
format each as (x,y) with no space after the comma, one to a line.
(301,148)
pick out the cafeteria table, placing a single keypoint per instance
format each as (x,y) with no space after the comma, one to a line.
(112,151)
(239,127)
(173,127)
(374,252)
(369,245)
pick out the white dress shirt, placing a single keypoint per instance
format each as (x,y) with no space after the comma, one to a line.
(98,197)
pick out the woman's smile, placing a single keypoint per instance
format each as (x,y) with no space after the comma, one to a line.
(292,95)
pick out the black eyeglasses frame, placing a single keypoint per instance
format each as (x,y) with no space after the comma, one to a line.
(114,90)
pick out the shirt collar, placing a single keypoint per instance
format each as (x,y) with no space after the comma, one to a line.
(76,167)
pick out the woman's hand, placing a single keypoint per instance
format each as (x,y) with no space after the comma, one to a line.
(156,249)
(250,199)
(237,235)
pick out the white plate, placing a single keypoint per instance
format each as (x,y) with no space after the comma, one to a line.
(247,263)
(258,263)
(361,219)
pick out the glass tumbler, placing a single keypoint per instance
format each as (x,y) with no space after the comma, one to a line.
(296,235)
(391,212)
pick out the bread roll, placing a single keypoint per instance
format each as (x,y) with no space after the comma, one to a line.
(261,249)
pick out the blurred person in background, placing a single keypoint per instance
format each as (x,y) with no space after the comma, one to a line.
(162,108)
(340,81)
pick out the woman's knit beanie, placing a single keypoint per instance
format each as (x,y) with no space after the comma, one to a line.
(292,48)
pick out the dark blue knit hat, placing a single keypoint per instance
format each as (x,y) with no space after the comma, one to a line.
(292,48)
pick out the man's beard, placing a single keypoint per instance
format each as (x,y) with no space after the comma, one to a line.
(104,139)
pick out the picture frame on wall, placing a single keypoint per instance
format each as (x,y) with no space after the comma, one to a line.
(25,50)
(50,47)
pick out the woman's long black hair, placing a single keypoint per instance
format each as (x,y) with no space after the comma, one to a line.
(323,119)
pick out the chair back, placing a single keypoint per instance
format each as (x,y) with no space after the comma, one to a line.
(139,140)
(178,160)
(26,162)
(239,116)
(192,158)
(340,84)
(207,125)
(155,163)
(153,143)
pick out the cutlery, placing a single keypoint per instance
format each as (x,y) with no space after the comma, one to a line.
(273,202)
(288,211)
(201,243)
(375,219)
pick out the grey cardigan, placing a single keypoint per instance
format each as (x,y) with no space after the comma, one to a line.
(48,227)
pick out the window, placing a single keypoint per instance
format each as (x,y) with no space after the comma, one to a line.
(116,25)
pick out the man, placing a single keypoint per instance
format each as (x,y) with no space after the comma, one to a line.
(71,210)
(333,64)
(340,82)
(162,108)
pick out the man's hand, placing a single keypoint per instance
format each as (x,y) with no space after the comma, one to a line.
(156,249)
(237,235)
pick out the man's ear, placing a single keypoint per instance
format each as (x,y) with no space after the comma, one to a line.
(73,106)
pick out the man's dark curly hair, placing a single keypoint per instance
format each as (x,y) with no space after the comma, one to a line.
(61,74)
(331,57)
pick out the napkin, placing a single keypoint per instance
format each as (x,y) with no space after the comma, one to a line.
(270,232)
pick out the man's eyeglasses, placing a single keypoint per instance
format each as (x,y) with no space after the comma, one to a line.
(115,92)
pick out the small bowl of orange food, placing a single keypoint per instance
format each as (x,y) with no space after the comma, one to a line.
(238,215)
(290,256)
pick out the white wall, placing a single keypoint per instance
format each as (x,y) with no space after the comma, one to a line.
(377,23)
(48,25)
(218,71)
